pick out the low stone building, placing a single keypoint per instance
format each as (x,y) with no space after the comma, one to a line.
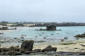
(51,27)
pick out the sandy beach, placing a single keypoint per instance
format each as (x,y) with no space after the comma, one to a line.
(68,46)
(75,47)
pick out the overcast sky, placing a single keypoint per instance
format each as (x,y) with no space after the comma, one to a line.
(42,10)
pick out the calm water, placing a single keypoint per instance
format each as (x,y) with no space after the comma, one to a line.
(33,33)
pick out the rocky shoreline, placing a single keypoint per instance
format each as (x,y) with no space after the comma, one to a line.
(27,49)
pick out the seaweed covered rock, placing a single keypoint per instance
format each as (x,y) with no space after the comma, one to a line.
(82,53)
(37,50)
(49,48)
(13,53)
(51,27)
(14,49)
(10,51)
(80,36)
(4,49)
(27,45)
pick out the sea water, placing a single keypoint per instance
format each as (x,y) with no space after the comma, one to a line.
(34,33)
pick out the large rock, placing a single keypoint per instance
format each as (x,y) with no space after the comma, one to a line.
(49,48)
(4,49)
(27,45)
(37,50)
(51,27)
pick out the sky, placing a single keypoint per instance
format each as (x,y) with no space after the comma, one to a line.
(42,10)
